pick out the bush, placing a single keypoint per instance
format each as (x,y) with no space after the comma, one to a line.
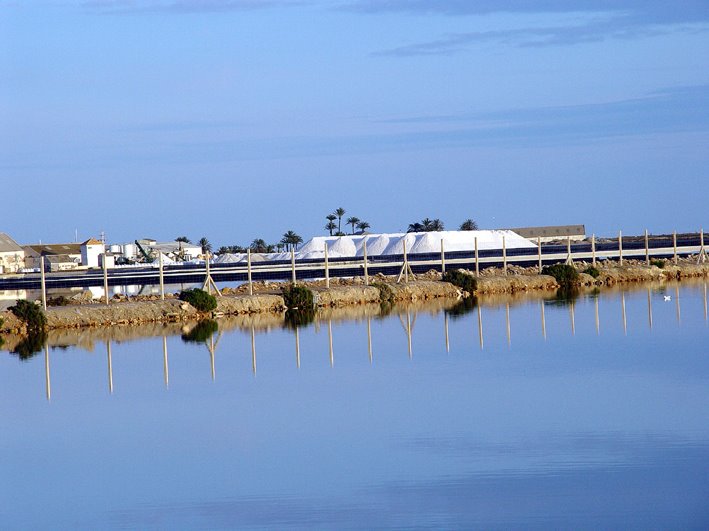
(201,300)
(563,273)
(658,263)
(464,281)
(29,313)
(593,271)
(386,295)
(61,300)
(297,297)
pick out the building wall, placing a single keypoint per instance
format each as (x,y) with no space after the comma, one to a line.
(12,262)
(90,254)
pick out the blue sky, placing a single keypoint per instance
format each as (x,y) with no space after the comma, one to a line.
(237,119)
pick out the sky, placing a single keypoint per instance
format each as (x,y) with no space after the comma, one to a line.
(242,119)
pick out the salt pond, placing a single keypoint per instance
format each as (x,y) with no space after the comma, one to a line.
(584,414)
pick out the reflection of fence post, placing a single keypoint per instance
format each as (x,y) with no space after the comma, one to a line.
(674,246)
(477,265)
(504,256)
(248,271)
(327,269)
(539,249)
(593,249)
(292,264)
(44,283)
(105,279)
(443,259)
(620,247)
(364,255)
(647,249)
(162,280)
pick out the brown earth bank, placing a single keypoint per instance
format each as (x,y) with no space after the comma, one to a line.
(80,313)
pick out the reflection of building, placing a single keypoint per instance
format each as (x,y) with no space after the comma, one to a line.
(63,256)
(12,256)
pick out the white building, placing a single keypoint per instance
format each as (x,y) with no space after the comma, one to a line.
(91,249)
(12,256)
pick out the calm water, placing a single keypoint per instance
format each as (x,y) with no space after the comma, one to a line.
(560,419)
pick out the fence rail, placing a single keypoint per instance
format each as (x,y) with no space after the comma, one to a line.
(308,269)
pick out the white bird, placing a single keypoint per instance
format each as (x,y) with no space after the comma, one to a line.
(668,298)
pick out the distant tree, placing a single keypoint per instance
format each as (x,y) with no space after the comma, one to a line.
(280,246)
(331,226)
(224,250)
(339,213)
(183,239)
(291,240)
(205,245)
(353,221)
(363,226)
(436,225)
(259,245)
(426,225)
(469,224)
(331,217)
(415,227)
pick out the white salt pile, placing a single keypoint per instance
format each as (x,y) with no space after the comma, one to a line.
(389,244)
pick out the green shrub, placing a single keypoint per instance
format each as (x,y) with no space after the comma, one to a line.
(658,263)
(564,274)
(201,300)
(386,295)
(201,332)
(593,271)
(61,300)
(297,297)
(464,281)
(29,313)
(299,318)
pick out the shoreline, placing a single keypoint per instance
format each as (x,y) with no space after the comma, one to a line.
(343,293)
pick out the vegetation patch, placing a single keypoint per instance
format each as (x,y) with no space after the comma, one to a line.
(201,332)
(386,295)
(61,300)
(299,318)
(30,345)
(298,297)
(30,314)
(564,274)
(199,299)
(593,271)
(462,280)
(658,263)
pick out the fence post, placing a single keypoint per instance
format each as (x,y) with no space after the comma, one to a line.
(504,256)
(539,248)
(327,269)
(406,262)
(647,249)
(593,249)
(674,246)
(44,284)
(292,264)
(364,254)
(105,279)
(702,252)
(443,259)
(248,271)
(162,280)
(477,265)
(569,260)
(620,247)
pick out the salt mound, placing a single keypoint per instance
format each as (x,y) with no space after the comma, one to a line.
(342,246)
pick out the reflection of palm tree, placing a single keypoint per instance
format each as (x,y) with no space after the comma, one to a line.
(353,221)
(363,226)
(204,243)
(339,213)
(331,225)
(469,224)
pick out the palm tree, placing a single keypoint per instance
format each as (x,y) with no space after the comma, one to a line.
(224,250)
(353,221)
(415,227)
(363,226)
(331,225)
(331,217)
(436,225)
(183,239)
(204,243)
(469,224)
(339,213)
(291,240)
(259,246)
